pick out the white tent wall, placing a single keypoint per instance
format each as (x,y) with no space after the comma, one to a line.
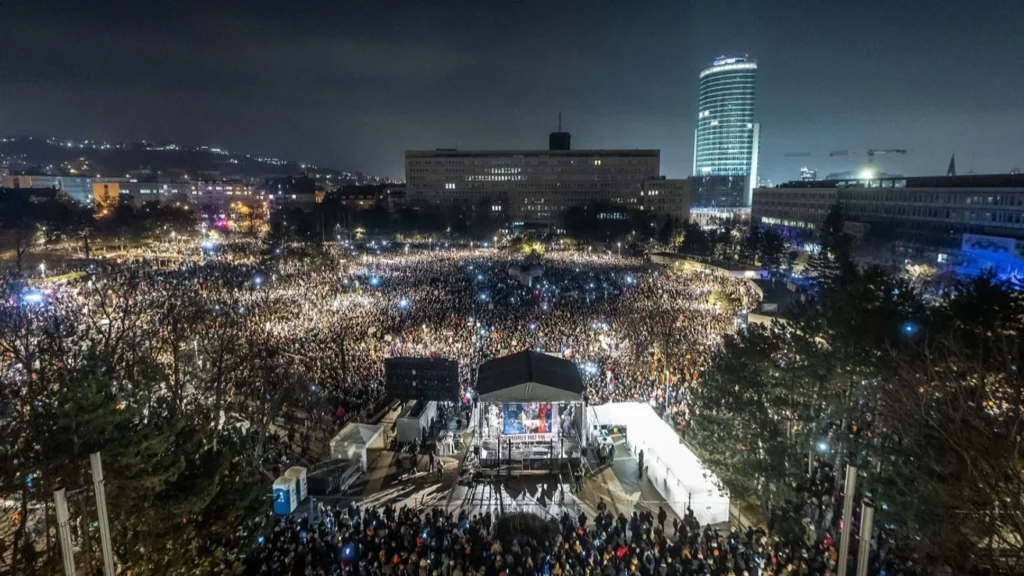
(354,440)
(671,467)
(410,429)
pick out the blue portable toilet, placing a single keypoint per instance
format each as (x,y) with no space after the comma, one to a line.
(299,473)
(285,495)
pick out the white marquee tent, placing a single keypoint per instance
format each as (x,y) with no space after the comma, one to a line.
(673,469)
(354,439)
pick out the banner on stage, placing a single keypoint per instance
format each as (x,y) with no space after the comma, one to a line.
(527,418)
(532,437)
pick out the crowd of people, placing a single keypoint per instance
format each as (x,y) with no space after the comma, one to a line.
(638,332)
(438,542)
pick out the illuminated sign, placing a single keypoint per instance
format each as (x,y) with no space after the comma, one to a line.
(728,68)
(724,61)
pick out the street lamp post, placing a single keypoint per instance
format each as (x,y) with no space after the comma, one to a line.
(101,510)
(867,519)
(844,539)
(64,531)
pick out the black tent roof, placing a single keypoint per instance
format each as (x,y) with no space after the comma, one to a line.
(516,378)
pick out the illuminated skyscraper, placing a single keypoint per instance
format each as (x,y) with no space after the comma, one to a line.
(726,138)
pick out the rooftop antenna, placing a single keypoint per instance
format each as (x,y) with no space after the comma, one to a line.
(559,140)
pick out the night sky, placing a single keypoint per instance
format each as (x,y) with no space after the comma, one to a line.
(352,84)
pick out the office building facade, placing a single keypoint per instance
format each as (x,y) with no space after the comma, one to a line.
(527,186)
(666,197)
(976,204)
(109,193)
(719,191)
(727,137)
(77,188)
(946,214)
(389,196)
(220,193)
(302,191)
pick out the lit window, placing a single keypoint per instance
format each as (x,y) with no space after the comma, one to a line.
(597,162)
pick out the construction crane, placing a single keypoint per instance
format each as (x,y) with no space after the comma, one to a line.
(870,153)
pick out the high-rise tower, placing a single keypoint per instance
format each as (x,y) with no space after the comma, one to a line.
(726,138)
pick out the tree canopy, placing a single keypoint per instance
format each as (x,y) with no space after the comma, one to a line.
(924,396)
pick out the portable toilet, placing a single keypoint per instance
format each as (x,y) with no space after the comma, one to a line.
(285,495)
(299,473)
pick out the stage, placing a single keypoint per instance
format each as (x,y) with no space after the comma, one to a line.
(530,414)
(524,451)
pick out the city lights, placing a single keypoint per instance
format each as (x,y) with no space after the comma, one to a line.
(789,352)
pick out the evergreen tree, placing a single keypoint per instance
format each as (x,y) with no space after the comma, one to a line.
(772,251)
(756,416)
(695,240)
(751,246)
(953,476)
(833,259)
(925,399)
(667,233)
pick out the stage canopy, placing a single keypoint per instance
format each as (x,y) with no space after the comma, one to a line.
(529,376)
(672,468)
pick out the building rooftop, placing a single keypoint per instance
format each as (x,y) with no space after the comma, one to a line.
(728,63)
(966,181)
(453,153)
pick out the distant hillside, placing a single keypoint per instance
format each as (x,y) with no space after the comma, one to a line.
(117,159)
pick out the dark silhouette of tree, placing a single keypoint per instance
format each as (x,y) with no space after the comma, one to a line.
(666,235)
(19,219)
(695,241)
(772,254)
(924,398)
(951,473)
(833,260)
